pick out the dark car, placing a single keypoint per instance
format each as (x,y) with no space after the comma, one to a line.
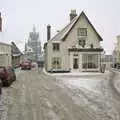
(7,75)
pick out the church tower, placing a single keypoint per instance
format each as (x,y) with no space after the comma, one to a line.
(35,44)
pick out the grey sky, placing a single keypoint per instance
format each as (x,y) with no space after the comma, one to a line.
(20,15)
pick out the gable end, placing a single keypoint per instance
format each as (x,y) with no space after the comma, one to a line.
(64,37)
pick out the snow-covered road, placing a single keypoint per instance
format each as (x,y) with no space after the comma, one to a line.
(4,101)
(36,96)
(92,90)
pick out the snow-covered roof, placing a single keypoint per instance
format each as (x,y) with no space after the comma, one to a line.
(15,49)
(65,31)
(2,43)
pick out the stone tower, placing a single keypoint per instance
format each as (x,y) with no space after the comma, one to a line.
(35,44)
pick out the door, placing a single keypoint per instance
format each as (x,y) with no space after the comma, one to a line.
(75,63)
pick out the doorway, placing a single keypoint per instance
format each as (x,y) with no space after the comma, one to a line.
(75,63)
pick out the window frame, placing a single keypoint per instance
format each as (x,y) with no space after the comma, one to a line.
(56,62)
(82,41)
(56,46)
(89,62)
(82,32)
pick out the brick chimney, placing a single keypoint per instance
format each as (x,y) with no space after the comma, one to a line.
(72,14)
(0,23)
(48,32)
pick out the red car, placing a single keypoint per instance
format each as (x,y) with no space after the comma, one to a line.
(7,75)
(26,65)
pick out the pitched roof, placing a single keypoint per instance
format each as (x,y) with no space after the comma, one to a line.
(15,49)
(2,43)
(66,30)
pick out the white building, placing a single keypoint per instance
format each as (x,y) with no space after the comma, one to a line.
(5,50)
(5,54)
(75,48)
(116,52)
(108,61)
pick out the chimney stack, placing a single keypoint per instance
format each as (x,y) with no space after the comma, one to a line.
(72,14)
(48,32)
(0,23)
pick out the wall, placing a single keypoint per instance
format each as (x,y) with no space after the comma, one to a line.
(5,52)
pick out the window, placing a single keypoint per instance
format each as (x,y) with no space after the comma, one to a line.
(56,46)
(90,61)
(82,31)
(82,42)
(56,62)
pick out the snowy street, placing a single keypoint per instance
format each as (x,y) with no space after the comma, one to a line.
(39,96)
(94,91)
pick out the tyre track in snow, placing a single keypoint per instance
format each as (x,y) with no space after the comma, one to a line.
(83,113)
(37,97)
(106,109)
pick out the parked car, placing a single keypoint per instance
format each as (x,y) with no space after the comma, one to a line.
(0,86)
(7,75)
(26,65)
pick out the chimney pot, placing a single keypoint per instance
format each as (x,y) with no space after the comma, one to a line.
(72,14)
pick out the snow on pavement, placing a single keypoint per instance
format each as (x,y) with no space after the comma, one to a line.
(83,86)
(90,90)
(3,105)
(116,81)
(91,81)
(92,84)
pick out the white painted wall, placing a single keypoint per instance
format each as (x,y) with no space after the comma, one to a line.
(5,54)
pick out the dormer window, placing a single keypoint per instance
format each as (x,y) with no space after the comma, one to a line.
(82,32)
(56,46)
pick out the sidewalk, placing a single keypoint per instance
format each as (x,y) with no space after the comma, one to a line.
(18,71)
(117,81)
(74,74)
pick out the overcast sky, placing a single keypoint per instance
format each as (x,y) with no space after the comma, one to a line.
(19,16)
